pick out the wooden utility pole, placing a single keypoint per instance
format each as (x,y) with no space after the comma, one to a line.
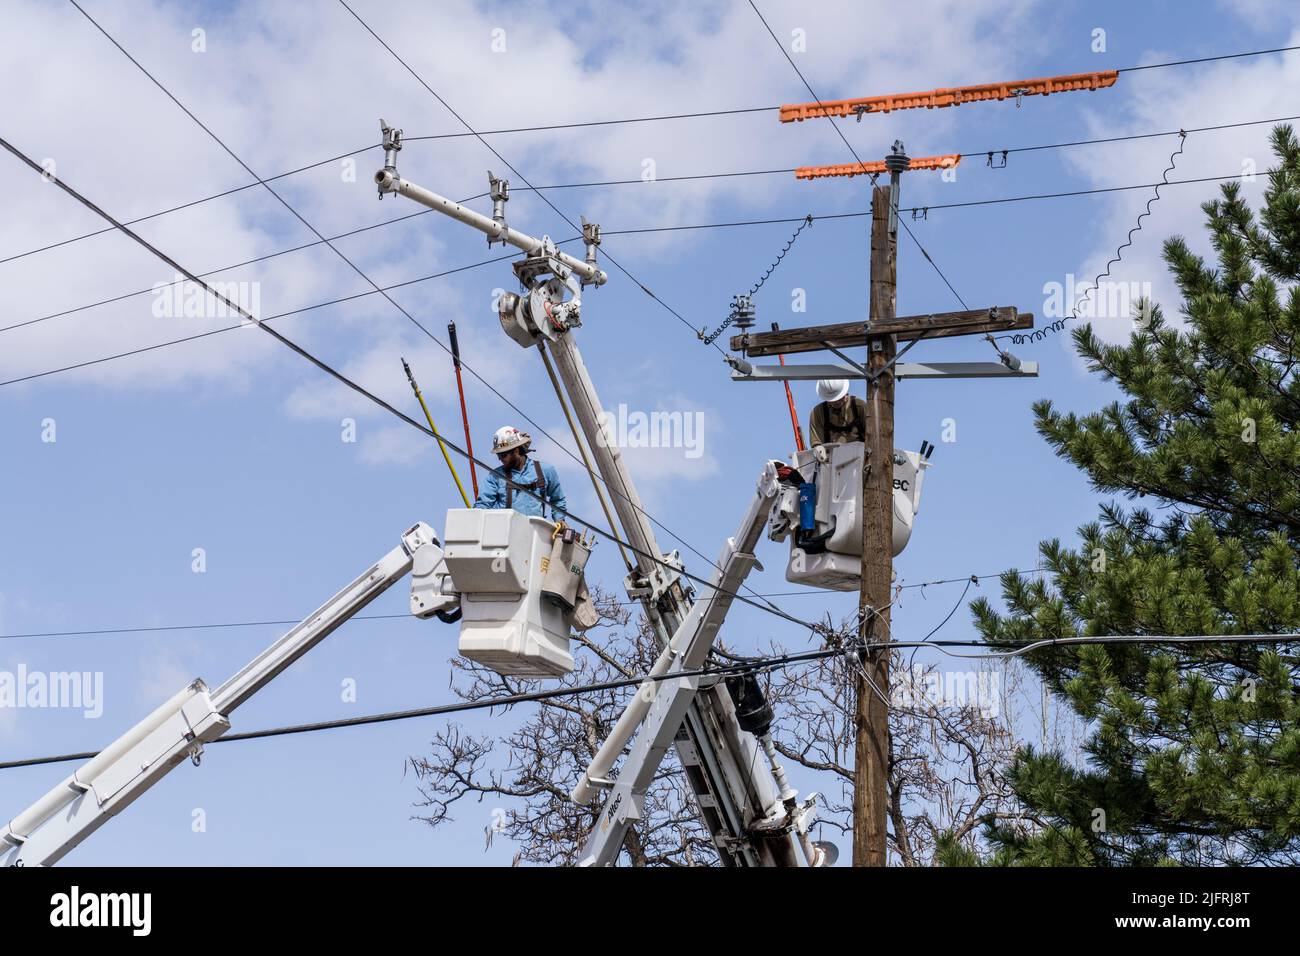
(882,332)
(871,721)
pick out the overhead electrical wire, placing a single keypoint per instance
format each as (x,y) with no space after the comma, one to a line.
(1206,59)
(748,666)
(825,217)
(141,629)
(1019,649)
(645,182)
(740,666)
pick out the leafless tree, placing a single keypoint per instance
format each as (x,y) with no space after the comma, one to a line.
(945,763)
(951,733)
(523,777)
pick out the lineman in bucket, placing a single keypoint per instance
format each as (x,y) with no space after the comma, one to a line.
(840,417)
(524,484)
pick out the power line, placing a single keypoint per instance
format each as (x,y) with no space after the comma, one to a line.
(1207,59)
(1130,137)
(749,666)
(618,182)
(1063,195)
(1027,647)
(637,231)
(231,328)
(839,132)
(339,376)
(187,205)
(143,629)
(590,123)
(212,272)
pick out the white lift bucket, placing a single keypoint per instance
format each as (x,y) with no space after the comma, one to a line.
(496,560)
(830,555)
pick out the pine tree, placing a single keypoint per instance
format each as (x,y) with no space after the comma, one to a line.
(1193,753)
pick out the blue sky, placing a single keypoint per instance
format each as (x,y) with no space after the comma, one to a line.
(231,444)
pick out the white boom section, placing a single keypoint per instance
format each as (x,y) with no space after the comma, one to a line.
(388,181)
(126,768)
(660,705)
(730,783)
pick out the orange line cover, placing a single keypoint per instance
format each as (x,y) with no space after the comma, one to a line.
(954,96)
(866,169)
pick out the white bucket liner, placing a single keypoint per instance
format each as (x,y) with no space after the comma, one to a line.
(833,557)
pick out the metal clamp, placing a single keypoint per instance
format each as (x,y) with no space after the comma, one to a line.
(658,581)
(392,143)
(591,239)
(499,190)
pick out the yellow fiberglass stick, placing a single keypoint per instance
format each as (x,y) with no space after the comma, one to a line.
(434,428)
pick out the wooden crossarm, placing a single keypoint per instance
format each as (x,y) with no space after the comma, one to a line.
(853,334)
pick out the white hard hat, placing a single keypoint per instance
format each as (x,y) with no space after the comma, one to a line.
(832,389)
(507,437)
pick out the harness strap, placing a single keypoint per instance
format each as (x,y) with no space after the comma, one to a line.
(538,485)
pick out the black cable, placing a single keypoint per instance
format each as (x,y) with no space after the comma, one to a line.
(378,617)
(195,202)
(756,665)
(1130,137)
(1206,59)
(212,272)
(588,123)
(231,328)
(586,185)
(840,133)
(615,232)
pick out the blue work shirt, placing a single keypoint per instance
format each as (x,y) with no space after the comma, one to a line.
(493,493)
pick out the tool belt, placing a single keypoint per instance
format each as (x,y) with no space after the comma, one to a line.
(538,487)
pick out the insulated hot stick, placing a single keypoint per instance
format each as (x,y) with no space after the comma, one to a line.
(464,414)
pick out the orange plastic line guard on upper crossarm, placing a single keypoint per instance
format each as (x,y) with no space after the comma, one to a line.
(866,169)
(954,96)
